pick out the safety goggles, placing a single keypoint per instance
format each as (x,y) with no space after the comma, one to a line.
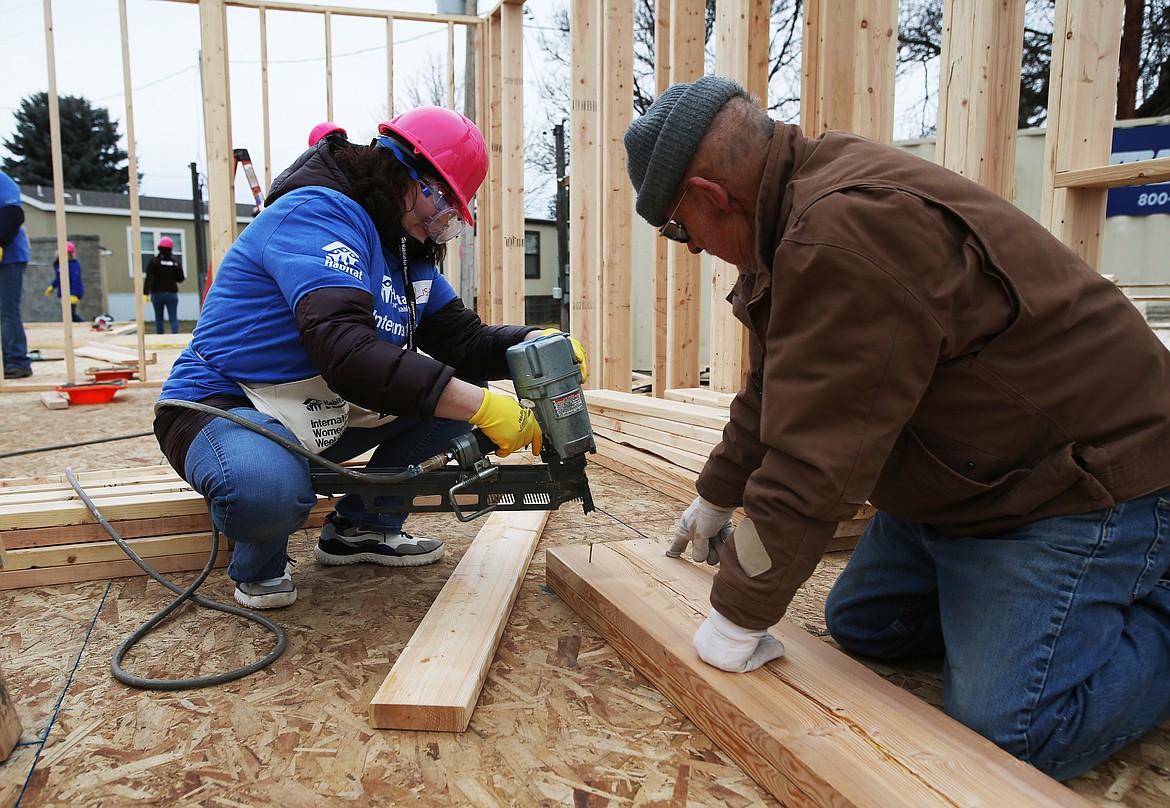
(674,230)
(445,223)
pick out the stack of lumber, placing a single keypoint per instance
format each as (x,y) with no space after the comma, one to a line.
(48,535)
(663,444)
(814,727)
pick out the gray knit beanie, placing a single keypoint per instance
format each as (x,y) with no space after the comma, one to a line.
(660,144)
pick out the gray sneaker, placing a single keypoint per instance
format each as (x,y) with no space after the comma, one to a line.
(343,542)
(273,593)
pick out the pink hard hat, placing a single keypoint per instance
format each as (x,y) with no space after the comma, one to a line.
(451,143)
(322,129)
(69,246)
(166,242)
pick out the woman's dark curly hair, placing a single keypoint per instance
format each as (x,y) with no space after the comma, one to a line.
(379,183)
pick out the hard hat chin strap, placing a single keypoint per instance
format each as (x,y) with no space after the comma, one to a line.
(401,157)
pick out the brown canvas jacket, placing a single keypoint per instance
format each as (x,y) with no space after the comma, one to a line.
(919,342)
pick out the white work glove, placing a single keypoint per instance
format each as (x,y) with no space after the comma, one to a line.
(701,523)
(728,647)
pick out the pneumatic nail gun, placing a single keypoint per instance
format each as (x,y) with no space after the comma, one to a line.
(463,480)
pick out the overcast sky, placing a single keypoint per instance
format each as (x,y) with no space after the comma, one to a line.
(165,80)
(167,96)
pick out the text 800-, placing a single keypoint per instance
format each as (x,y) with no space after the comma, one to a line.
(1154,198)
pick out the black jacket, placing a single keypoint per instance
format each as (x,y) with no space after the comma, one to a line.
(336,325)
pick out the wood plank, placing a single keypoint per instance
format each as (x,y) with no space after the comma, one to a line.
(618,419)
(741,53)
(1086,44)
(639,475)
(112,507)
(436,680)
(684,289)
(648,467)
(110,475)
(617,210)
(132,506)
(100,481)
(58,496)
(54,400)
(679,457)
(127,529)
(980,92)
(64,555)
(710,417)
(113,354)
(658,282)
(511,160)
(586,199)
(814,727)
(1122,175)
(130,529)
(75,573)
(700,395)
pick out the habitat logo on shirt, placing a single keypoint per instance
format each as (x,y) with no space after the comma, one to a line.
(342,258)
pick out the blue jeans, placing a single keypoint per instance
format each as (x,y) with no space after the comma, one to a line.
(13,342)
(168,301)
(1056,634)
(260,492)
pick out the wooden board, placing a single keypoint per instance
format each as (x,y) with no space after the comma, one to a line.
(667,451)
(75,573)
(114,354)
(54,400)
(813,728)
(700,395)
(436,680)
(64,555)
(48,535)
(697,414)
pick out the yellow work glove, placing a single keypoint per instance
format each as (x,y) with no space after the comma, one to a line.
(74,299)
(49,292)
(578,350)
(1,253)
(146,298)
(509,425)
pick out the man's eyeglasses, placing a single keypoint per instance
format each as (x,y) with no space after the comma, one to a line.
(674,230)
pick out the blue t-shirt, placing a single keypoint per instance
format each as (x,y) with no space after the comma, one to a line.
(17,250)
(309,239)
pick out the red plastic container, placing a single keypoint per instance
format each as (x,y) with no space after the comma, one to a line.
(110,374)
(94,393)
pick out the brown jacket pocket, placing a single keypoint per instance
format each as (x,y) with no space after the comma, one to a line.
(916,485)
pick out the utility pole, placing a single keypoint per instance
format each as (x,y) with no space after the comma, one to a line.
(562,226)
(200,234)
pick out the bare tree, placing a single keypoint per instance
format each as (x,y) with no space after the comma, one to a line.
(427,85)
(553,84)
(1144,71)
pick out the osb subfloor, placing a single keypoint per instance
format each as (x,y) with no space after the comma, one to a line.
(561,720)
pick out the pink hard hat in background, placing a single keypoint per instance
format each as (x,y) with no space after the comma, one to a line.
(69,246)
(322,129)
(166,242)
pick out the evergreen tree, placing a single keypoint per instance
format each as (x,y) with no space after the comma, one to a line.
(90,155)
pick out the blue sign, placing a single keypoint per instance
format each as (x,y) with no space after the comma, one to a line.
(1130,144)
